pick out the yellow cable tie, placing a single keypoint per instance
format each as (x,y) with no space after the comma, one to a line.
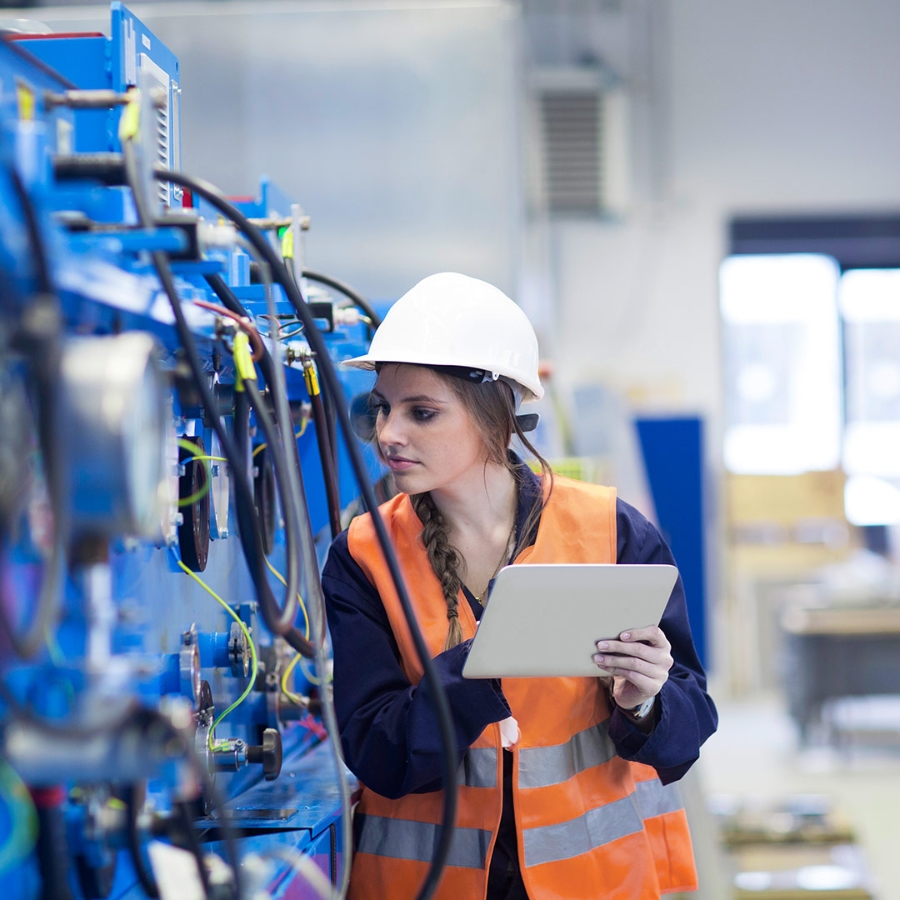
(130,122)
(25,97)
(311,377)
(243,360)
(287,244)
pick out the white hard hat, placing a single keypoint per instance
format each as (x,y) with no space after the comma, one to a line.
(454,320)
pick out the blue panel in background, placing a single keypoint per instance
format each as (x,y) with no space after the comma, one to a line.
(83,59)
(674,460)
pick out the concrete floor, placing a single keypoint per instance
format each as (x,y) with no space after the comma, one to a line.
(755,753)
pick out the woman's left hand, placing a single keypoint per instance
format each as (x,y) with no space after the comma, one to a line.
(639,662)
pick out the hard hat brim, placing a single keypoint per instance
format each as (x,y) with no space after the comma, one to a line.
(368,363)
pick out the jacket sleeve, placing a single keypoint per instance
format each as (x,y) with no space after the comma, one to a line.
(687,715)
(389,729)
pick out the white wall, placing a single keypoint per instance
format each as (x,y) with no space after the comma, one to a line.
(767,107)
(395,123)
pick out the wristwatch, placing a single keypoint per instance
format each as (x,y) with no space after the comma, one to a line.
(641,711)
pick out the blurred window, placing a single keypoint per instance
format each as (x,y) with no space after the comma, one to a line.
(869,302)
(782,363)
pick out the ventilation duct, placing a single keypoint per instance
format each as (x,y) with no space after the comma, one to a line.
(583,141)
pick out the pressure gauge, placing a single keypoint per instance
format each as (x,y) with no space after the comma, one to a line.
(113,418)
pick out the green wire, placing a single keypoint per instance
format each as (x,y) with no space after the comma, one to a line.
(24,825)
(207,484)
(254,666)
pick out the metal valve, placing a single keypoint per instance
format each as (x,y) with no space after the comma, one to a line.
(238,651)
(234,754)
(268,753)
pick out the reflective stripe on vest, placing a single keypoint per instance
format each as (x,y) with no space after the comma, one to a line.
(600,826)
(402,839)
(653,798)
(543,766)
(478,768)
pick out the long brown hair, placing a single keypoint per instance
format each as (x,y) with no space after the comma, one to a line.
(492,406)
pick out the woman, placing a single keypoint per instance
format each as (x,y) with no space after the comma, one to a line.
(563,781)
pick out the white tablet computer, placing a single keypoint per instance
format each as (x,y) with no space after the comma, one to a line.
(545,620)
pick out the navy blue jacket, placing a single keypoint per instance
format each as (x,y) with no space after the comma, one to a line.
(388,726)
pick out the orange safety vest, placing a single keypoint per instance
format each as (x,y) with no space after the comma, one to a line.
(590,825)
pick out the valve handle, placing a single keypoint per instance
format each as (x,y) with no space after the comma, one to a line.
(268,753)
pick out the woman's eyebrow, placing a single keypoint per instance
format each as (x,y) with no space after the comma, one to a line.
(416,398)
(423,398)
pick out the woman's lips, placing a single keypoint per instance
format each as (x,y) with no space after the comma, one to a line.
(399,464)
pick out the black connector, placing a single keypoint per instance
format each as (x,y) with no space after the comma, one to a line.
(190,225)
(105,168)
(322,310)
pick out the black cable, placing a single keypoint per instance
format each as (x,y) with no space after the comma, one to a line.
(53,853)
(183,810)
(347,291)
(267,365)
(230,301)
(38,248)
(133,839)
(39,338)
(270,432)
(295,296)
(329,463)
(286,490)
(327,453)
(224,292)
(156,726)
(279,619)
(330,418)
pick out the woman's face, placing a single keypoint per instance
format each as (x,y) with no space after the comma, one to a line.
(424,432)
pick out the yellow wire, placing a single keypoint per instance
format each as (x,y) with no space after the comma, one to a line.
(265,444)
(207,484)
(254,666)
(294,698)
(311,676)
(280,577)
(185,444)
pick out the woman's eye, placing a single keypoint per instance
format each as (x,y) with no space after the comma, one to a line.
(377,406)
(423,415)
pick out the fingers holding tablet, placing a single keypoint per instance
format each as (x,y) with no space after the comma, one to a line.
(639,661)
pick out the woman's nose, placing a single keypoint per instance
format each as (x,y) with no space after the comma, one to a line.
(388,430)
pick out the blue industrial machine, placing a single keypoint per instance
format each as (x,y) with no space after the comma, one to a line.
(171,473)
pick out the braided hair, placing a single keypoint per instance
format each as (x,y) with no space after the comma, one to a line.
(444,560)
